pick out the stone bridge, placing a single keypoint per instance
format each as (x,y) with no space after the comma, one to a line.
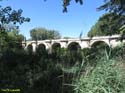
(88,42)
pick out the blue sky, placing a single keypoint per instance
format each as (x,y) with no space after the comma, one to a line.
(49,15)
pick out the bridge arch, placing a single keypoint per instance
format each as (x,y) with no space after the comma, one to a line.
(41,46)
(56,45)
(100,44)
(29,47)
(73,46)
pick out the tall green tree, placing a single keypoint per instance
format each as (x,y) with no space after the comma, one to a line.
(108,24)
(42,34)
(9,16)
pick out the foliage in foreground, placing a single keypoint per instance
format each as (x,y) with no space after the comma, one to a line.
(107,77)
(53,73)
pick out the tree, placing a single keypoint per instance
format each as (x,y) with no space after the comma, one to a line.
(122,30)
(67,3)
(116,6)
(52,34)
(15,36)
(8,27)
(8,24)
(7,16)
(108,24)
(42,34)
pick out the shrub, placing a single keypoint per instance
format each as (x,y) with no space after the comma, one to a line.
(118,51)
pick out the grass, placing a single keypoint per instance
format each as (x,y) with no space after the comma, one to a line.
(108,76)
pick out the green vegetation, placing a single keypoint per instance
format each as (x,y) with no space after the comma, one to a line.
(108,24)
(9,31)
(108,76)
(42,34)
(8,16)
(63,71)
(116,6)
(99,69)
